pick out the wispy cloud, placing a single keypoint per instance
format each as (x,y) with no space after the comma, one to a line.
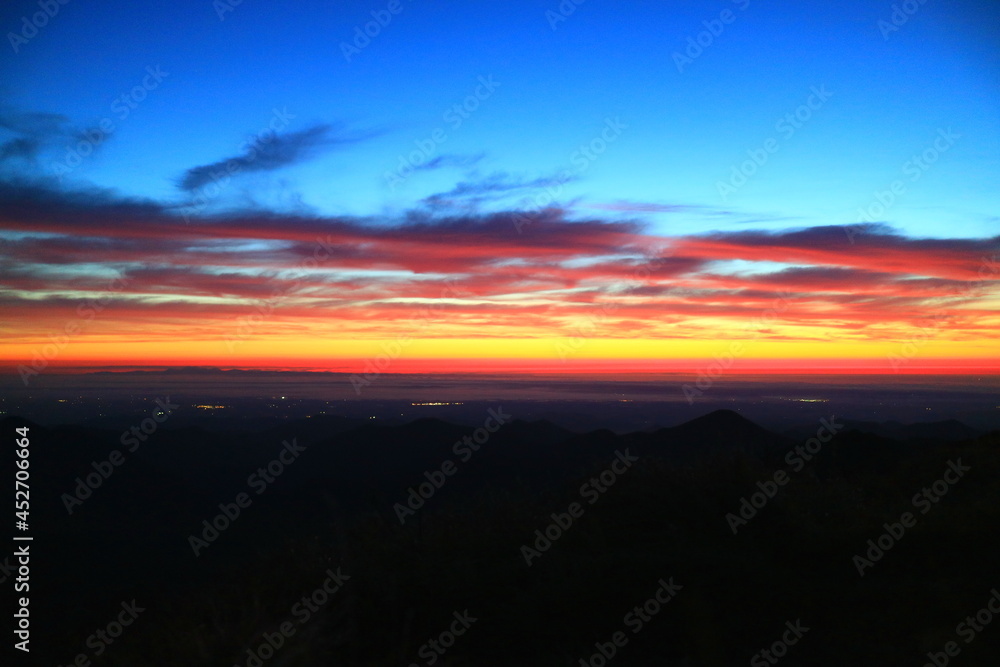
(30,134)
(645,207)
(451,161)
(495,187)
(271,152)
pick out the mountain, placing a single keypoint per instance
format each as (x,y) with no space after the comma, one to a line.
(949,430)
(463,547)
(719,433)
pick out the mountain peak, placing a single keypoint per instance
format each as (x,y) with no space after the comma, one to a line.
(720,430)
(721,418)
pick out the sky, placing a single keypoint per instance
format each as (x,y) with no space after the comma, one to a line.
(384,186)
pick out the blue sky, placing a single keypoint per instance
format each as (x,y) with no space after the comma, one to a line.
(556,88)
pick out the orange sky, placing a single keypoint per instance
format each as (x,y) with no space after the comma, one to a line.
(109,287)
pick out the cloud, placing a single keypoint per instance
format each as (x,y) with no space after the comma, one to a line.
(32,123)
(25,148)
(878,249)
(644,207)
(374,276)
(499,182)
(497,186)
(32,133)
(451,160)
(271,151)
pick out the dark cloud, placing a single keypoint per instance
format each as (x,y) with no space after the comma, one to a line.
(271,151)
(879,248)
(32,132)
(35,134)
(39,204)
(25,148)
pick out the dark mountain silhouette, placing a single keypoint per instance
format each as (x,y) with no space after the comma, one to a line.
(950,430)
(338,503)
(722,432)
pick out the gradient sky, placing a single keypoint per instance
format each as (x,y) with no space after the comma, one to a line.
(440,177)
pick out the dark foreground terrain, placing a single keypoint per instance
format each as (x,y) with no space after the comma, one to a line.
(329,541)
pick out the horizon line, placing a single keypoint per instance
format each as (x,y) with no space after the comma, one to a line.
(717,367)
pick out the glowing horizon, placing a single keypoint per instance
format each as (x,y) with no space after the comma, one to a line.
(808,297)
